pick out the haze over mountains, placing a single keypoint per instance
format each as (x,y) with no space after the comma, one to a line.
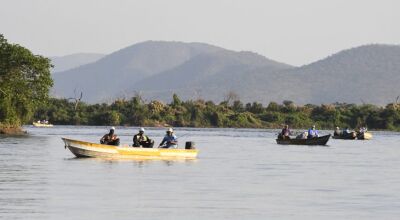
(63,63)
(157,69)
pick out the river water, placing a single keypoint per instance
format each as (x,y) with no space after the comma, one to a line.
(239,174)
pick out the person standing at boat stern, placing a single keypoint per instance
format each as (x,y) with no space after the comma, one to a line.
(170,140)
(142,140)
(110,138)
(312,132)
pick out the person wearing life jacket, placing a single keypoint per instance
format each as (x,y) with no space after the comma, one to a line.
(142,140)
(312,132)
(170,140)
(110,138)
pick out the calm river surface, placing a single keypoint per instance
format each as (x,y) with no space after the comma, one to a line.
(239,174)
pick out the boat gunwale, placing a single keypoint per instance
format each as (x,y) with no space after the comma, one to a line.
(319,141)
(127,148)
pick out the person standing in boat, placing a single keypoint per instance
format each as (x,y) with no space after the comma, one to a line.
(110,138)
(142,140)
(285,133)
(312,132)
(170,140)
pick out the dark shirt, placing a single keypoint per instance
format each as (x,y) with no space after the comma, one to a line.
(140,138)
(285,132)
(108,138)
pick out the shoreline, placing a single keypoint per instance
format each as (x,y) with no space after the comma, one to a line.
(162,127)
(12,130)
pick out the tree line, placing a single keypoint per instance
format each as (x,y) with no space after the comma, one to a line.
(230,113)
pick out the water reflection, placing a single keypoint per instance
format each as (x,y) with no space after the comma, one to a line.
(23,177)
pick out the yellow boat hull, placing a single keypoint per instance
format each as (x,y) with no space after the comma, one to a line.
(87,149)
(365,136)
(42,125)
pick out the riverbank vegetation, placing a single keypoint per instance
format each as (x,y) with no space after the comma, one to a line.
(200,113)
(24,85)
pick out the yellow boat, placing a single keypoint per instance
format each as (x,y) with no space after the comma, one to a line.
(42,125)
(364,136)
(87,149)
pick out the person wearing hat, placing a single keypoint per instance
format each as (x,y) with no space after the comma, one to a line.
(170,140)
(312,132)
(142,140)
(110,138)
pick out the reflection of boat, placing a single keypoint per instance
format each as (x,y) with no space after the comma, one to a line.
(40,124)
(364,136)
(87,149)
(310,141)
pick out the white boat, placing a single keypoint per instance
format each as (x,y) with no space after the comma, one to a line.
(43,125)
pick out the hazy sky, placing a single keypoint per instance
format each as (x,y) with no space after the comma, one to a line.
(292,31)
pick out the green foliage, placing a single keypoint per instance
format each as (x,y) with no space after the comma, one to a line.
(199,113)
(24,83)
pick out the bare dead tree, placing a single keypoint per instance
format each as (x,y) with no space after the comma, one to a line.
(76,99)
(139,95)
(230,97)
(197,94)
(396,102)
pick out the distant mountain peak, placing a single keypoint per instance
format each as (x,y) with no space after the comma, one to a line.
(157,69)
(63,63)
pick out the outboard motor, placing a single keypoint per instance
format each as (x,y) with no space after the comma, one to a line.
(189,145)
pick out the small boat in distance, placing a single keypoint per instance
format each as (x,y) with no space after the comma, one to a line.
(354,135)
(309,141)
(43,124)
(87,149)
(350,136)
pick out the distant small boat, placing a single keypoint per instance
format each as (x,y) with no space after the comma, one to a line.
(349,136)
(364,136)
(310,141)
(43,125)
(87,149)
(354,136)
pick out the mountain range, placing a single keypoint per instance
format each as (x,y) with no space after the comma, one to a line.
(157,69)
(62,63)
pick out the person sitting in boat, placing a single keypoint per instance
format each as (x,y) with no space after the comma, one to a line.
(337,132)
(170,140)
(312,132)
(285,133)
(362,130)
(346,132)
(110,138)
(142,140)
(302,135)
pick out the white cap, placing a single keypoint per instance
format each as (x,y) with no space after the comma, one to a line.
(141,129)
(170,130)
(112,128)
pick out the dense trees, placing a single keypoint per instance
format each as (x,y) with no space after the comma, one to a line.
(24,83)
(200,113)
